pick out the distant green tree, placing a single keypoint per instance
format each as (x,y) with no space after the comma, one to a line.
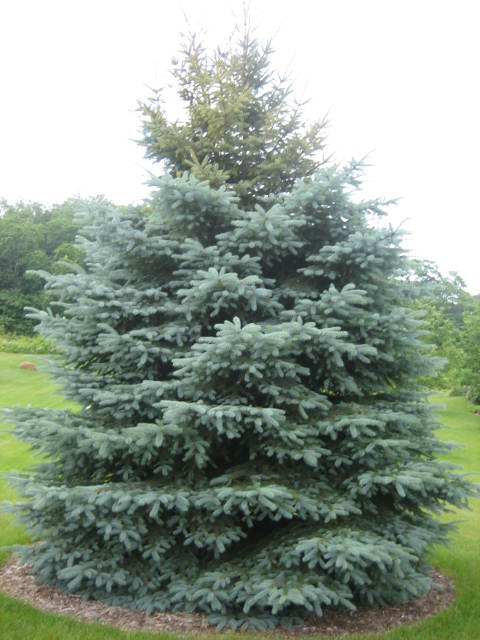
(32,237)
(241,125)
(447,292)
(12,310)
(444,301)
(66,253)
(471,350)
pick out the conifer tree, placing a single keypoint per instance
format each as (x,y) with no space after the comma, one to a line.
(241,126)
(251,441)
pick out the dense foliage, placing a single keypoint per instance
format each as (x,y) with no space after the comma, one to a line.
(17,343)
(241,125)
(31,237)
(470,374)
(449,313)
(252,442)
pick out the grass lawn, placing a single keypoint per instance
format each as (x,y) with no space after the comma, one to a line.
(461,559)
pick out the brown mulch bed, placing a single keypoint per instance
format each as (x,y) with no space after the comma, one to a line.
(17,581)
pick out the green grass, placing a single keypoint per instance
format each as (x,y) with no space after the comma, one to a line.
(461,559)
(20,386)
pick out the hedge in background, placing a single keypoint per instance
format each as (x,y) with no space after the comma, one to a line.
(12,343)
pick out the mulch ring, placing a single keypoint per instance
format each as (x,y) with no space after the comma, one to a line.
(17,581)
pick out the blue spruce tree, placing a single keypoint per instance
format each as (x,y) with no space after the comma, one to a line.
(251,440)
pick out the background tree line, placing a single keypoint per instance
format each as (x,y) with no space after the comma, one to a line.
(452,317)
(32,236)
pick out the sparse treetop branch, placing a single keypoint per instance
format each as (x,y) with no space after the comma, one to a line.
(241,125)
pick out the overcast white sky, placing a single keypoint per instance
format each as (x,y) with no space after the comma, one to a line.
(399,80)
